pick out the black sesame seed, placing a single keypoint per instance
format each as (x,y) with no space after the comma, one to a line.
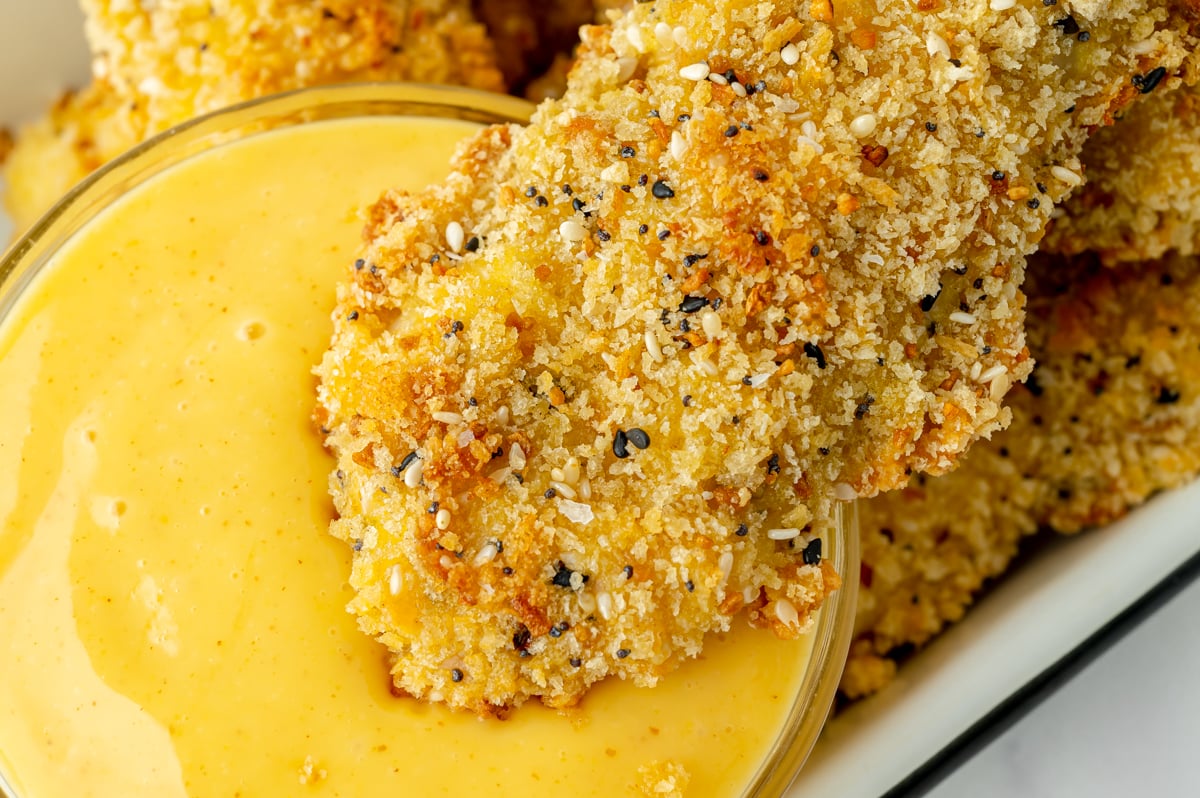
(742,531)
(928,302)
(1070,109)
(663,235)
(358,544)
(576,662)
(643,229)
(622,653)
(931,127)
(550,493)
(521,638)
(998,175)
(628,571)
(566,189)
(824,451)
(747,380)
(1167,397)
(541,201)
(456,327)
(562,575)
(620,444)
(555,631)
(773,464)
(661,190)
(1150,81)
(731,131)
(408,460)
(626,187)
(684,117)
(693,259)
(687,400)
(604,235)
(690,585)
(730,76)
(507,571)
(643,180)
(433,508)
(815,251)
(1041,187)
(762,237)
(1083,36)
(1034,203)
(472,244)
(761,176)
(359,264)
(353,315)
(456,675)
(685,326)
(864,406)
(638,437)
(815,352)
(736,420)
(692,304)
(531,192)
(628,152)
(577,204)
(978,284)
(812,552)
(1067,25)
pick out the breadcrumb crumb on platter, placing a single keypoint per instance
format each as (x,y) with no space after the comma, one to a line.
(160,64)
(1110,416)
(847,201)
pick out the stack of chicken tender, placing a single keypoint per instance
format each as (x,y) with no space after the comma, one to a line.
(939,257)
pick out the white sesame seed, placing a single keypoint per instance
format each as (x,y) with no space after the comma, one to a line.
(1000,386)
(725,564)
(447,417)
(446,561)
(516,457)
(710,322)
(571,472)
(696,72)
(843,492)
(502,414)
(783,534)
(500,474)
(653,347)
(585,489)
(864,125)
(1002,5)
(572,230)
(738,89)
(413,474)
(936,45)
(749,594)
(634,34)
(678,145)
(556,474)
(604,604)
(790,54)
(809,128)
(963,318)
(464,438)
(394,580)
(785,611)
(442,519)
(976,370)
(679,34)
(563,489)
(759,380)
(662,32)
(1066,175)
(706,365)
(455,237)
(587,602)
(992,373)
(487,553)
(625,69)
(718,78)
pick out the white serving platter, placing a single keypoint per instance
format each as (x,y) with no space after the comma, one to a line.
(1058,609)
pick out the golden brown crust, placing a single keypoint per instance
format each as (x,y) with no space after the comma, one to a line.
(160,64)
(1142,198)
(796,321)
(1110,416)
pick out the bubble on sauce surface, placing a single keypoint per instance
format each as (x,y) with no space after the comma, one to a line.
(107,512)
(251,331)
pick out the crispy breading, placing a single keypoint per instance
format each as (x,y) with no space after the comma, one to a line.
(1110,416)
(786,244)
(1142,198)
(160,64)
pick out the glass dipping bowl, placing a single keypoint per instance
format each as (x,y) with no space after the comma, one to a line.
(28,257)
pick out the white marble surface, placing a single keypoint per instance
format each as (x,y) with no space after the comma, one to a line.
(1127,725)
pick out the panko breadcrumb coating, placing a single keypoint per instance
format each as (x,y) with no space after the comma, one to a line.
(160,64)
(596,393)
(1142,198)
(1110,416)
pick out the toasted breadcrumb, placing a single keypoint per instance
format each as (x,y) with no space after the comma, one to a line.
(1110,416)
(1142,198)
(786,250)
(662,780)
(160,64)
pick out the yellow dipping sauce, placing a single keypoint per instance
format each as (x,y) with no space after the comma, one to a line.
(171,608)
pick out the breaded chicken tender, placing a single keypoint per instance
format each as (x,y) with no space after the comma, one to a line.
(1142,198)
(601,390)
(160,64)
(1110,416)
